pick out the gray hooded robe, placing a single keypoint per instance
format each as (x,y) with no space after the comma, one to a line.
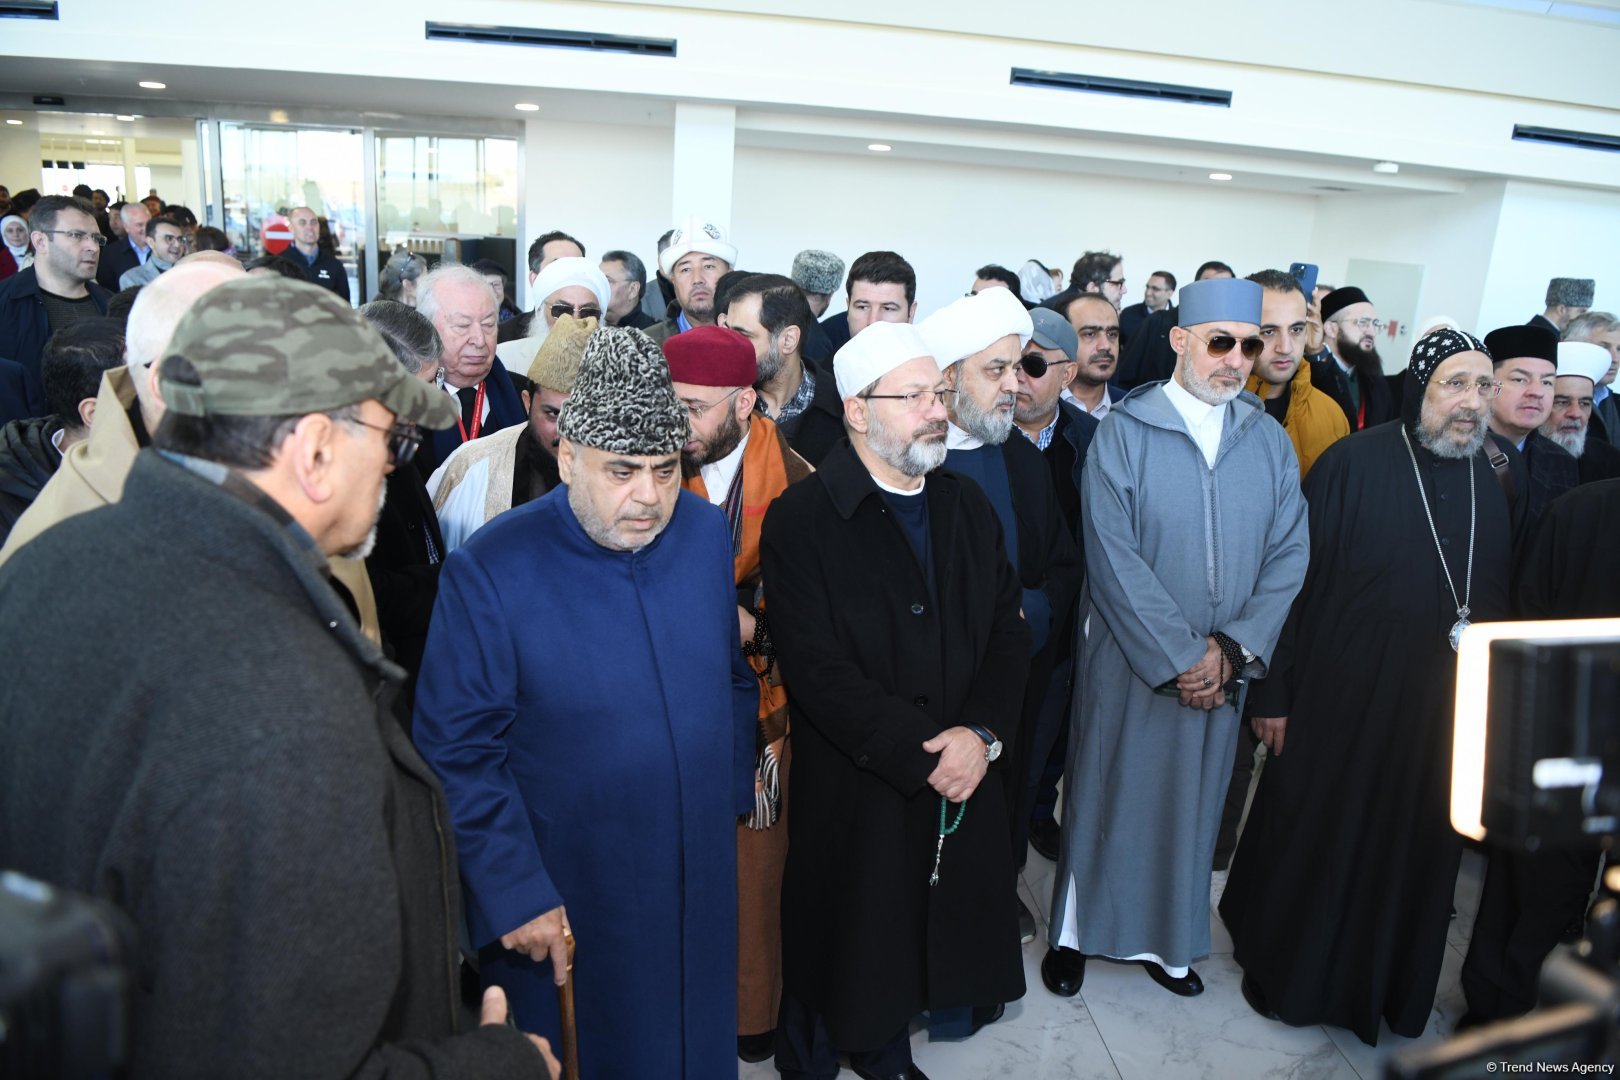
(1176,550)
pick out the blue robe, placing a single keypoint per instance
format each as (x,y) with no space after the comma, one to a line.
(592,719)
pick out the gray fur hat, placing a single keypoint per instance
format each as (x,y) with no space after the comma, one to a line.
(817,271)
(623,400)
(1571,291)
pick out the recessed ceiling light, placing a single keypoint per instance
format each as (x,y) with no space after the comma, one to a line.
(1220,176)
(124,118)
(1386,167)
(97,131)
(15,123)
(154,86)
(527,106)
(880,147)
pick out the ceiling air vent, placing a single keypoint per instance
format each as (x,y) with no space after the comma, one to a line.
(549,39)
(1580,140)
(28,9)
(1131,88)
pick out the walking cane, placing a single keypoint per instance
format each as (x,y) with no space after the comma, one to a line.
(570,1030)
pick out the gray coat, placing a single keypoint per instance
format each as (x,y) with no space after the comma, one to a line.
(1176,550)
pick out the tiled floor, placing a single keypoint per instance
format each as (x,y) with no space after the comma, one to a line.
(1122,1026)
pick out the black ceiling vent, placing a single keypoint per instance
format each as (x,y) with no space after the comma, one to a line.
(28,9)
(549,39)
(1132,88)
(1580,140)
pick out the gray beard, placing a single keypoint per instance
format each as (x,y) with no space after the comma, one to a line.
(362,550)
(1435,441)
(990,426)
(914,458)
(1574,442)
(1206,391)
(769,364)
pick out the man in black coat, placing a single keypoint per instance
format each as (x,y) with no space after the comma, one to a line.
(1352,372)
(978,342)
(319,264)
(1581,366)
(772,312)
(227,773)
(1525,365)
(894,608)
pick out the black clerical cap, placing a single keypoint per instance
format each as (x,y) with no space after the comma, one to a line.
(1339,299)
(1512,342)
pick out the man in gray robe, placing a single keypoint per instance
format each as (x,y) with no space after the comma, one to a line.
(1196,532)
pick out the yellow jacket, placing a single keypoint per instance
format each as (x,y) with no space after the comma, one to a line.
(1314,421)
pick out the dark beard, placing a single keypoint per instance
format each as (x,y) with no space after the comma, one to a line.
(1366,362)
(725,441)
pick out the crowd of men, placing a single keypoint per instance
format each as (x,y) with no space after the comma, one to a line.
(680,674)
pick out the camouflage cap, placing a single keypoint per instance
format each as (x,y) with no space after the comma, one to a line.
(270,346)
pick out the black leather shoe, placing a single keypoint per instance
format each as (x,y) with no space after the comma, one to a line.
(1043,837)
(1063,971)
(1257,1000)
(1026,923)
(985,1015)
(754,1048)
(1189,985)
(911,1073)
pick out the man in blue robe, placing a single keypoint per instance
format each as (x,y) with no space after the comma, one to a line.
(585,701)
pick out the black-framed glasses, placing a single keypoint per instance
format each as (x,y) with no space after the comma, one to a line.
(78,236)
(404,438)
(1118,283)
(1221,344)
(917,399)
(696,409)
(578,311)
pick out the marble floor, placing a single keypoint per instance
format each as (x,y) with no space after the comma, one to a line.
(1122,1026)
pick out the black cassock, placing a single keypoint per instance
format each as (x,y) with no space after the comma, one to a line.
(1340,891)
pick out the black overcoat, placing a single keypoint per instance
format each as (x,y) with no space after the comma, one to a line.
(877,661)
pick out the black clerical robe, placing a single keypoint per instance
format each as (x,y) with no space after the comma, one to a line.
(1599,460)
(1340,891)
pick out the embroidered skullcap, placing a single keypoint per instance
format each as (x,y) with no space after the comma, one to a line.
(972,323)
(572,270)
(1583,358)
(695,234)
(623,402)
(556,364)
(1436,349)
(1571,291)
(1220,300)
(1339,299)
(817,271)
(711,356)
(1513,342)
(873,353)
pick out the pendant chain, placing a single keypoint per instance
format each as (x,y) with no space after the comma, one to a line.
(1473,506)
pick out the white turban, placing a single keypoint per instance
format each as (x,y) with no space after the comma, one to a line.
(695,234)
(1583,358)
(572,270)
(873,353)
(974,323)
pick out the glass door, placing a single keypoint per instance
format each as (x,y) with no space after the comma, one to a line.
(268,170)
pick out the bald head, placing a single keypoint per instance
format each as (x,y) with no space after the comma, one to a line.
(157,311)
(217,257)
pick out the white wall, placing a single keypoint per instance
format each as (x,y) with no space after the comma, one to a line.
(1548,232)
(947,220)
(19,155)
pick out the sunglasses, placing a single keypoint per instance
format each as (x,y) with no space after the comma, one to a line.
(578,311)
(1221,344)
(1035,365)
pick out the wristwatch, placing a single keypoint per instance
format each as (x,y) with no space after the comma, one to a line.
(992,745)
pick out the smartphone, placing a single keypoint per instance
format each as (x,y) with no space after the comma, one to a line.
(1305,274)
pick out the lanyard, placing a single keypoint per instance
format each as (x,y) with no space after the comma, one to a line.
(478,415)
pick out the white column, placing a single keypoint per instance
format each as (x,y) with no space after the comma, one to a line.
(130,192)
(705,149)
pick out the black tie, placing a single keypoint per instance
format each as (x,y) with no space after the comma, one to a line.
(469,398)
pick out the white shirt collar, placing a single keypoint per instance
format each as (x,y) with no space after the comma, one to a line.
(957,439)
(1099,412)
(892,490)
(717,476)
(1204,421)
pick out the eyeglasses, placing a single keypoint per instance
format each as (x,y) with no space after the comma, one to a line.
(698,408)
(1118,283)
(1366,323)
(1461,384)
(403,439)
(1036,366)
(1221,344)
(917,400)
(578,311)
(78,236)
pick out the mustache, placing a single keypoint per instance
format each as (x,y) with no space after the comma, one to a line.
(933,429)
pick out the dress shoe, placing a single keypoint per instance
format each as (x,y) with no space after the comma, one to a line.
(1469,1020)
(1026,923)
(1043,837)
(985,1015)
(1063,970)
(911,1073)
(1189,985)
(753,1048)
(1257,1000)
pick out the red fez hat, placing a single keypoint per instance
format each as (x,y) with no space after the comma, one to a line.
(711,356)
